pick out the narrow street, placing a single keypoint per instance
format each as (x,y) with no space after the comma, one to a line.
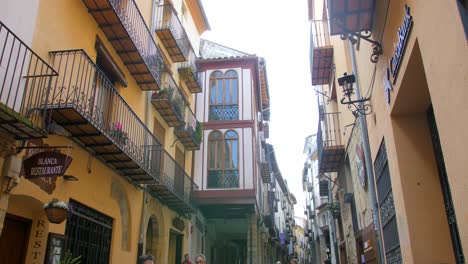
(233,132)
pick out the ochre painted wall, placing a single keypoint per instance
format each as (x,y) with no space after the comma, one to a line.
(438,36)
(92,189)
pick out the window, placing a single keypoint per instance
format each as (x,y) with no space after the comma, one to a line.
(223,160)
(224,96)
(107,65)
(89,234)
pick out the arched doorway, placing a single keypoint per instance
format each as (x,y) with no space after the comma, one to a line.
(152,234)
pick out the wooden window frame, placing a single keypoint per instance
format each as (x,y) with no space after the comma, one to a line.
(224,79)
(112,67)
(222,140)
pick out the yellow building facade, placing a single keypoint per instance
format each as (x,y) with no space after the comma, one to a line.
(96,100)
(415,88)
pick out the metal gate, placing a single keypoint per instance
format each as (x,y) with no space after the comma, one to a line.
(88,234)
(444,183)
(387,207)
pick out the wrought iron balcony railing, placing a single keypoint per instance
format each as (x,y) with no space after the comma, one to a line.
(170,102)
(125,28)
(223,179)
(172,34)
(330,148)
(188,71)
(224,112)
(24,88)
(174,184)
(320,34)
(321,53)
(87,105)
(190,133)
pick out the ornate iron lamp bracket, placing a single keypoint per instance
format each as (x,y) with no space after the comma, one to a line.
(358,106)
(376,46)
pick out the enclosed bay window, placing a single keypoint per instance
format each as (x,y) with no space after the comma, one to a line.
(224,99)
(223,160)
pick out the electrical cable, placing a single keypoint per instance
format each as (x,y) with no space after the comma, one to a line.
(371,84)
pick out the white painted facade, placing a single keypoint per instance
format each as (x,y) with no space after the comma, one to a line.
(247,136)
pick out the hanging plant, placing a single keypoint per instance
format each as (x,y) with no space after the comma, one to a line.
(56,211)
(334,208)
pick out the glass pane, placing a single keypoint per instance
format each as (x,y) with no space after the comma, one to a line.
(215,134)
(234,91)
(227,91)
(235,154)
(219,152)
(230,74)
(220,92)
(227,154)
(213,92)
(212,154)
(216,74)
(230,134)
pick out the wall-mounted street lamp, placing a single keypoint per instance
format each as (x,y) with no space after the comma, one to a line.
(358,106)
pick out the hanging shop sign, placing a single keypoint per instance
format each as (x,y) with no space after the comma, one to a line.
(46,164)
(403,34)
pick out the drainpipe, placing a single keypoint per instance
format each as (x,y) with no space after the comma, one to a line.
(331,223)
(147,119)
(368,158)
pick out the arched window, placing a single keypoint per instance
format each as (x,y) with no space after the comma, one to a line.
(224,96)
(223,160)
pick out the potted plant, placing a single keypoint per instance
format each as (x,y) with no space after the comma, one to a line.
(334,209)
(56,211)
(70,259)
(163,93)
(199,131)
(117,132)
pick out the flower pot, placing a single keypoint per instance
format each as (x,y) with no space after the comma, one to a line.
(163,96)
(56,215)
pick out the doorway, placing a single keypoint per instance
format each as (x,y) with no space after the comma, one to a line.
(14,239)
(175,247)
(444,184)
(415,163)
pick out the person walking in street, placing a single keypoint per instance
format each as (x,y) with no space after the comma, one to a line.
(147,259)
(201,259)
(186,259)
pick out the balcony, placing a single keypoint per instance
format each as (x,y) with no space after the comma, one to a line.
(172,34)
(189,73)
(330,149)
(170,102)
(350,16)
(321,56)
(190,133)
(125,28)
(175,187)
(24,87)
(86,104)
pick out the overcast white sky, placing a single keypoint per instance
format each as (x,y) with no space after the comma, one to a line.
(279,32)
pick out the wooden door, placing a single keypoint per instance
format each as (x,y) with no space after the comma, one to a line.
(14,239)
